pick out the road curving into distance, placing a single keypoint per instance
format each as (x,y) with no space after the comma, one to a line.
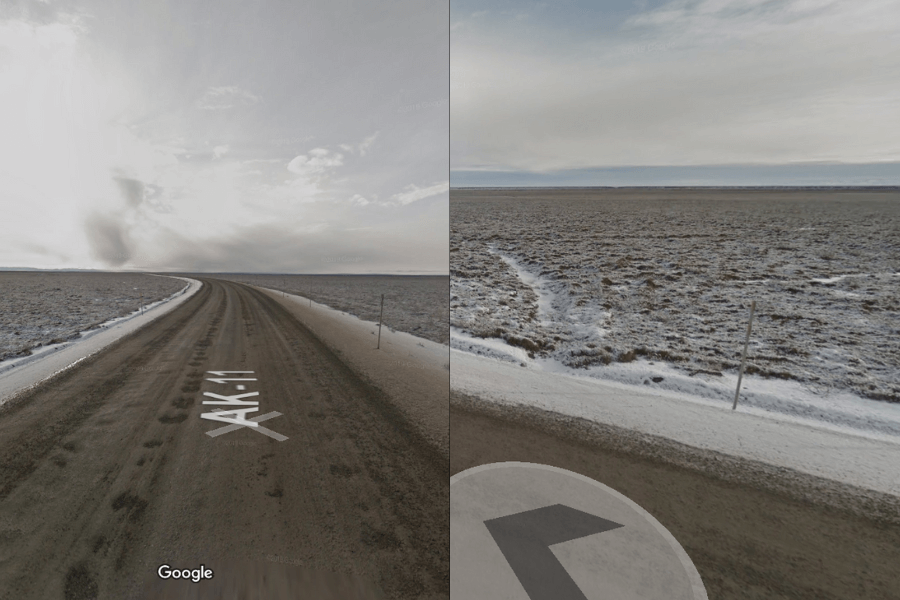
(107,472)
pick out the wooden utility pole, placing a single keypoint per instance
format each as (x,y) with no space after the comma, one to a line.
(744,357)
(378,347)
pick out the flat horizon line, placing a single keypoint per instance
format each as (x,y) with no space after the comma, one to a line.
(74,270)
(676,187)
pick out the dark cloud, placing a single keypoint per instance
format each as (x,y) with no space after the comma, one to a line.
(36,248)
(45,252)
(376,86)
(132,190)
(108,238)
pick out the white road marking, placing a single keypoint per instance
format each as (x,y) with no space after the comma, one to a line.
(223,373)
(257,420)
(239,413)
(224,379)
(236,414)
(231,400)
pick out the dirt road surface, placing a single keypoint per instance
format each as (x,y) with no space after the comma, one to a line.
(754,532)
(106,471)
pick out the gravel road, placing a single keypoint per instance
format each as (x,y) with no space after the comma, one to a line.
(106,472)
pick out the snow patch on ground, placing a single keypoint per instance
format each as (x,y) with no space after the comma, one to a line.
(830,279)
(835,410)
(491,347)
(833,441)
(538,284)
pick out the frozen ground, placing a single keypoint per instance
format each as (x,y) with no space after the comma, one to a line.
(863,458)
(653,288)
(415,304)
(19,374)
(45,308)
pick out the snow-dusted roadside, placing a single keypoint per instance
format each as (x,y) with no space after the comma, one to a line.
(412,371)
(594,278)
(837,410)
(828,448)
(20,374)
(630,307)
(416,304)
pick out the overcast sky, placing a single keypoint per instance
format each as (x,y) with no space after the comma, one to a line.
(684,91)
(225,135)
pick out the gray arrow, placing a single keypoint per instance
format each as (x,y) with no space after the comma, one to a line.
(525,539)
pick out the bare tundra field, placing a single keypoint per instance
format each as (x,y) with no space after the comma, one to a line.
(588,279)
(415,304)
(39,308)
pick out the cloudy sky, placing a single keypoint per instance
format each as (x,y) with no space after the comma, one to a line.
(226,135)
(689,92)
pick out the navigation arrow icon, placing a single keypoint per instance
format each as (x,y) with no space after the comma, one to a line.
(525,539)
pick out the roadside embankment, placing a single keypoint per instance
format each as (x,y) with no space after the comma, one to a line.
(413,372)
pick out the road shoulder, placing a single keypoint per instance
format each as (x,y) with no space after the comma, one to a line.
(413,372)
(751,529)
(855,458)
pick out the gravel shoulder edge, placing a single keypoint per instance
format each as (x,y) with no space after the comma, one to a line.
(792,484)
(413,372)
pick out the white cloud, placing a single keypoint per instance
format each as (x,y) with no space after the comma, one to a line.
(713,82)
(367,143)
(362,147)
(318,161)
(225,97)
(96,122)
(59,114)
(413,193)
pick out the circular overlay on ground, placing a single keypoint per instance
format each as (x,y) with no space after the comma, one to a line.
(524,531)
